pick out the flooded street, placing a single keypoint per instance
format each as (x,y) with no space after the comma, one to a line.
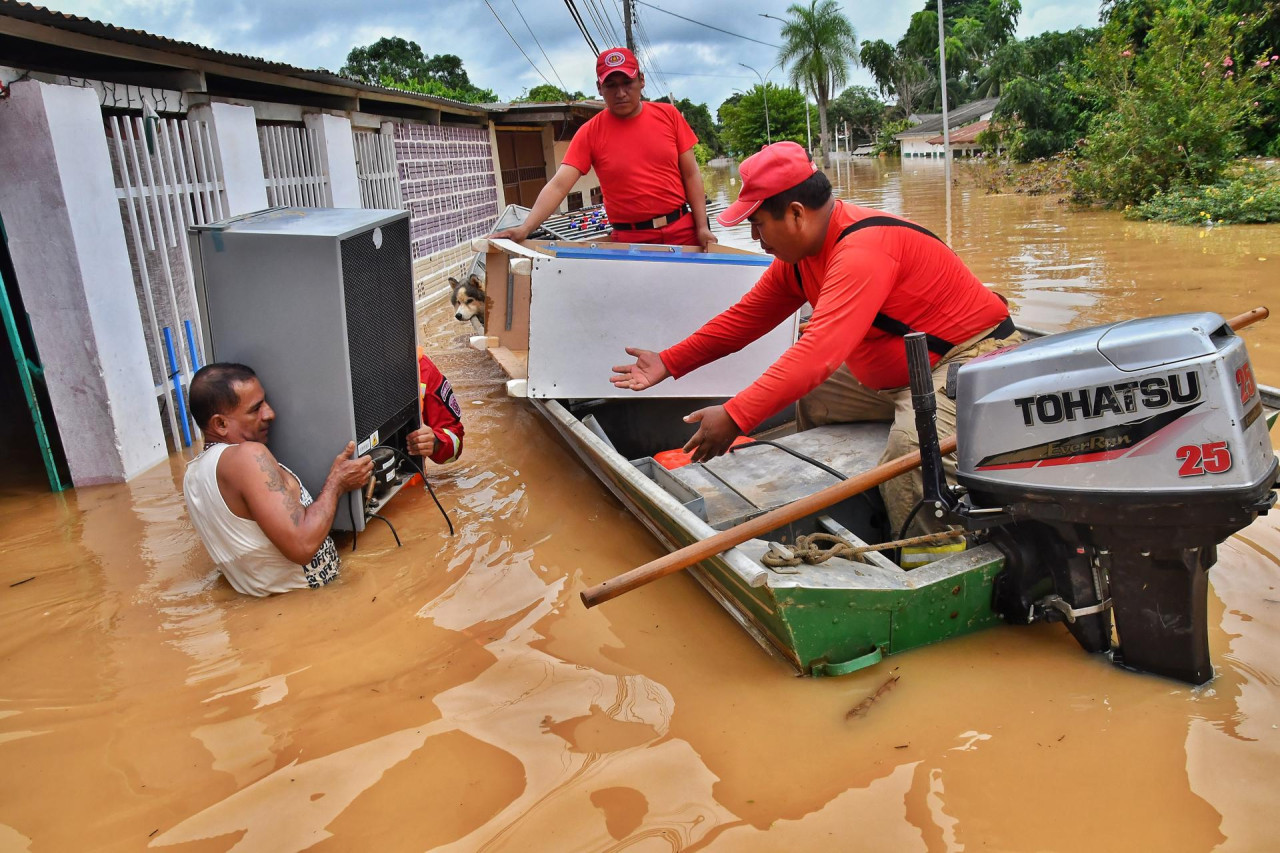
(453,694)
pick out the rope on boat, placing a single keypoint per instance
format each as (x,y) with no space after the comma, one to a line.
(808,550)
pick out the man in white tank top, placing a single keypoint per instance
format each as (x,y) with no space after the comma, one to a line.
(256,519)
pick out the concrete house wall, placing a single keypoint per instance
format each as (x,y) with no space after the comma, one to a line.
(80,275)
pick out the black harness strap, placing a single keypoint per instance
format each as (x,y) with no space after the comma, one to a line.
(883,321)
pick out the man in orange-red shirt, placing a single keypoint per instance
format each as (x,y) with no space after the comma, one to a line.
(642,152)
(871,278)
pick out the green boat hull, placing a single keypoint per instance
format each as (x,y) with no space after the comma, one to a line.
(822,624)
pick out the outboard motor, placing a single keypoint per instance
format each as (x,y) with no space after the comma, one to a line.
(1109,463)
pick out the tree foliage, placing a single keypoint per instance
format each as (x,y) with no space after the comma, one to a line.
(859,107)
(743,118)
(699,118)
(546,93)
(393,61)
(1039,113)
(909,70)
(897,74)
(1258,35)
(392,57)
(1175,110)
(819,44)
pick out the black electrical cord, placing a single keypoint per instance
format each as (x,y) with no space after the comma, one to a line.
(797,454)
(406,457)
(351,508)
(387,521)
(351,504)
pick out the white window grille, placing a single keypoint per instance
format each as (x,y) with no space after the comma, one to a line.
(167,179)
(294,170)
(376,170)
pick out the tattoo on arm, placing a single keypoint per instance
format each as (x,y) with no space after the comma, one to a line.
(276,483)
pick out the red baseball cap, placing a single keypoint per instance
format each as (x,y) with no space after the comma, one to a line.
(616,59)
(773,169)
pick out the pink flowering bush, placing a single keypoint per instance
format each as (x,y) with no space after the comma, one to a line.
(1172,114)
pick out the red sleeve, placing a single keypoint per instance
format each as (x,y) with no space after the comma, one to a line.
(770,301)
(685,137)
(857,282)
(579,154)
(440,412)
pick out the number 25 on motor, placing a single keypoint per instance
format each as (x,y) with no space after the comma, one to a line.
(1198,459)
(1244,381)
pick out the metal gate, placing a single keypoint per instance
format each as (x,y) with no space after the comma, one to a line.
(294,170)
(376,170)
(167,178)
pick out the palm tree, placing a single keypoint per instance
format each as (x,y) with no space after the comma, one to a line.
(819,44)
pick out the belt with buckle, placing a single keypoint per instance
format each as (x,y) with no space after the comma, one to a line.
(656,222)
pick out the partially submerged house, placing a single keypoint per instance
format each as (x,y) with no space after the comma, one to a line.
(925,138)
(963,140)
(113,142)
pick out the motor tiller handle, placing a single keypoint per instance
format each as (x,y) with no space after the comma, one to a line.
(925,403)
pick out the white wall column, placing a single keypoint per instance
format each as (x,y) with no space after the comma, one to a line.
(497,167)
(235,136)
(68,246)
(338,150)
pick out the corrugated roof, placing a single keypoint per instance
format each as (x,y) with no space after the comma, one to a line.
(963,135)
(958,117)
(506,106)
(139,38)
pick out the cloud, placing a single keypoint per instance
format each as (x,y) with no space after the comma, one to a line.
(691,60)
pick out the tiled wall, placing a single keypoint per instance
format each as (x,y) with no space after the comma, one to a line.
(447,181)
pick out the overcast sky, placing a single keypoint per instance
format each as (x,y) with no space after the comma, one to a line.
(692,61)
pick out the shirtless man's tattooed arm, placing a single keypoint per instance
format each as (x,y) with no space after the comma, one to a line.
(273,498)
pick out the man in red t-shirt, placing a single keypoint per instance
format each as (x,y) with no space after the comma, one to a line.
(642,152)
(871,278)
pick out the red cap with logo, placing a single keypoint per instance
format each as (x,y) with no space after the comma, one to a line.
(616,59)
(773,169)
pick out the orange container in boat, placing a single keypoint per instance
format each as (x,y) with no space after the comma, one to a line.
(673,459)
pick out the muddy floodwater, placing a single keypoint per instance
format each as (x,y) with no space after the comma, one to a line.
(453,694)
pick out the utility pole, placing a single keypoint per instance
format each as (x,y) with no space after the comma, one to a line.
(946,129)
(626,23)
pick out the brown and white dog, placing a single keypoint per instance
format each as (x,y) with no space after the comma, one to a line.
(467,298)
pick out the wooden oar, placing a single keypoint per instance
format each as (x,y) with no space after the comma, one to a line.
(1248,318)
(772,520)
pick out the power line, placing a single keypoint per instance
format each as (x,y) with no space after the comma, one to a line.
(603,16)
(563,87)
(648,47)
(594,14)
(577,19)
(517,44)
(617,4)
(662,73)
(708,26)
(699,74)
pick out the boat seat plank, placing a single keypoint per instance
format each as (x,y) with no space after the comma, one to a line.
(744,483)
(769,477)
(724,507)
